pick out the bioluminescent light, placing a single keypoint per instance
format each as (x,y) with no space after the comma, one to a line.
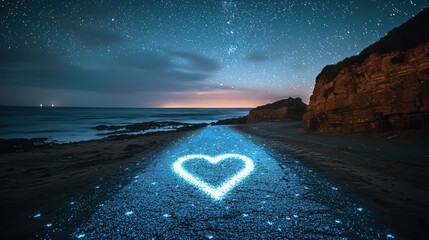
(81,235)
(215,192)
(390,236)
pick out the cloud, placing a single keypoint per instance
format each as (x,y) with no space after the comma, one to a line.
(261,57)
(14,58)
(146,61)
(181,66)
(164,78)
(144,72)
(198,62)
(97,37)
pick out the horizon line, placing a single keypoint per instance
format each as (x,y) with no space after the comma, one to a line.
(32,106)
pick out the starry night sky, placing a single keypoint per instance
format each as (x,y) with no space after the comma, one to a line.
(181,53)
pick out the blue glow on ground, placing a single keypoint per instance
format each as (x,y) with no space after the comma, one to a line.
(37,215)
(280,199)
(390,236)
(216,192)
(359,209)
(48,225)
(81,235)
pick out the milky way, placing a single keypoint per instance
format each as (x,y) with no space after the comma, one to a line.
(180,53)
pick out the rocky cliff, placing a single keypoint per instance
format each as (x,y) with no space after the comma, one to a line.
(291,108)
(385,87)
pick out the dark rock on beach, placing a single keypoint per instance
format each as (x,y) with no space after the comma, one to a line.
(107,127)
(230,121)
(141,126)
(122,135)
(138,127)
(286,109)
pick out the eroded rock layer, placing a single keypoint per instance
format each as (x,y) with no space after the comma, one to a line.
(386,92)
(386,87)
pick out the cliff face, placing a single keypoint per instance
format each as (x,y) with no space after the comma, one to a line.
(386,87)
(291,108)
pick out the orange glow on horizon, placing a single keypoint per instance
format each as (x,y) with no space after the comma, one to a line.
(211,105)
(217,99)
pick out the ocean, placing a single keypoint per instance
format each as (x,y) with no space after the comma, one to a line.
(66,124)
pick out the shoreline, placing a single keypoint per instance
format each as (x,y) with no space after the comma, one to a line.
(45,177)
(396,190)
(99,132)
(82,124)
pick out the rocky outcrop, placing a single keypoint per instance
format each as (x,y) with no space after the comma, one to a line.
(386,87)
(291,108)
(231,121)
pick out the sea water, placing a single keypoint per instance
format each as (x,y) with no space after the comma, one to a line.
(66,124)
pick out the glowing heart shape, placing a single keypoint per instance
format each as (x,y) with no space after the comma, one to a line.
(215,192)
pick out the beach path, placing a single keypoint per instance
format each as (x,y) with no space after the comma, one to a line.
(272,196)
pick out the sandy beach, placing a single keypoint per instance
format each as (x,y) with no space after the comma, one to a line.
(45,177)
(214,120)
(389,172)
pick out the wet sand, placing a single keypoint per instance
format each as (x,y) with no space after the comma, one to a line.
(274,201)
(44,178)
(388,172)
